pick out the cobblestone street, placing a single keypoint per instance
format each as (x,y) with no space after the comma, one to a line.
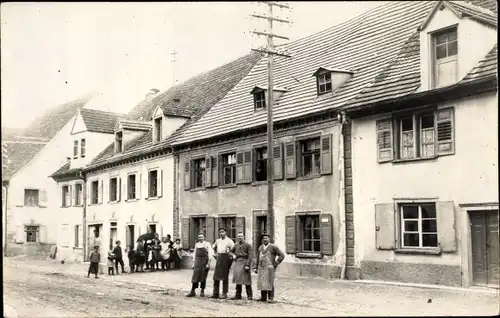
(37,288)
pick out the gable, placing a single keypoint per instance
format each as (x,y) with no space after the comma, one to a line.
(157,112)
(79,125)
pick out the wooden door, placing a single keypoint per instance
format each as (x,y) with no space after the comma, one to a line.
(485,247)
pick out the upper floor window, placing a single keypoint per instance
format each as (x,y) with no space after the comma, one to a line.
(82,148)
(199,166)
(259,99)
(94,199)
(260,164)
(132,186)
(324,83)
(75,149)
(153,183)
(113,189)
(157,129)
(310,157)
(66,201)
(119,142)
(445,52)
(31,197)
(78,194)
(229,168)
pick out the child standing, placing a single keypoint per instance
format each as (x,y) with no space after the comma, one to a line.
(177,251)
(95,257)
(111,263)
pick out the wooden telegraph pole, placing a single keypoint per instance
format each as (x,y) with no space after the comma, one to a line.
(270,101)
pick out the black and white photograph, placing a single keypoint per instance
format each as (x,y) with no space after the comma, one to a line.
(250,159)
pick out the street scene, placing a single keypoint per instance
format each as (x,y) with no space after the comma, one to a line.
(250,159)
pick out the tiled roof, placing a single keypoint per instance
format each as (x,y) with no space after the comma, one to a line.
(485,4)
(49,124)
(381,47)
(8,132)
(62,170)
(135,124)
(100,121)
(485,68)
(201,93)
(475,12)
(18,154)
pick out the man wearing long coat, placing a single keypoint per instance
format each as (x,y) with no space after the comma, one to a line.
(242,275)
(269,257)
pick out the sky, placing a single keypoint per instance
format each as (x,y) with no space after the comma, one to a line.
(56,52)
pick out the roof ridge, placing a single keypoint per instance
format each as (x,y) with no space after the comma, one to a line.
(472,6)
(104,111)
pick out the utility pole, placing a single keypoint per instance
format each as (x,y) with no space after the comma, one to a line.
(174,53)
(270,101)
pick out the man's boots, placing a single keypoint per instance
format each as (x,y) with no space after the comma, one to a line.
(215,293)
(263,295)
(249,292)
(192,292)
(238,293)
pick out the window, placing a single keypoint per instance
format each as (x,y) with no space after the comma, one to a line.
(31,197)
(423,134)
(259,100)
(95,192)
(32,233)
(158,123)
(131,186)
(199,226)
(229,223)
(324,82)
(261,164)
(77,235)
(153,183)
(119,142)
(229,168)
(310,233)
(78,194)
(199,167)
(66,196)
(75,149)
(445,47)
(113,189)
(310,157)
(418,225)
(82,148)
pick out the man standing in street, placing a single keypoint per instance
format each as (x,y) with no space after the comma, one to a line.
(266,267)
(241,271)
(202,255)
(223,247)
(118,257)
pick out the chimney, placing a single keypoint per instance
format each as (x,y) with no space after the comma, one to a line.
(68,160)
(152,93)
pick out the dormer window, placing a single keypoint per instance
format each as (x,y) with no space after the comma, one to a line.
(157,129)
(260,95)
(445,49)
(118,142)
(259,100)
(324,82)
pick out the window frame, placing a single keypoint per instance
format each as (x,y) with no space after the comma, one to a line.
(300,156)
(259,102)
(76,232)
(324,76)
(401,223)
(116,189)
(83,147)
(221,165)
(232,230)
(66,196)
(32,228)
(434,60)
(195,171)
(301,216)
(136,175)
(255,162)
(119,141)
(194,233)
(94,193)
(158,128)
(37,197)
(150,171)
(75,149)
(78,194)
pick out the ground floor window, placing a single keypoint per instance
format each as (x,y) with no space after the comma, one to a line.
(418,225)
(32,234)
(199,226)
(310,230)
(229,223)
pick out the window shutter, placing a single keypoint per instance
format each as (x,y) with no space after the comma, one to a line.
(159,183)
(187,175)
(384,140)
(185,233)
(43,198)
(326,154)
(445,219)
(291,234)
(62,196)
(119,189)
(326,224)
(385,231)
(101,188)
(70,194)
(278,162)
(445,131)
(147,185)
(211,229)
(80,236)
(43,234)
(240,224)
(290,161)
(138,188)
(215,172)
(240,173)
(247,166)
(20,234)
(208,171)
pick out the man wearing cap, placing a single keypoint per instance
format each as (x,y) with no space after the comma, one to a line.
(269,257)
(223,247)
(241,270)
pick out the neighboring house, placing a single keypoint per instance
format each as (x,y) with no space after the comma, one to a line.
(425,153)
(29,196)
(91,132)
(131,184)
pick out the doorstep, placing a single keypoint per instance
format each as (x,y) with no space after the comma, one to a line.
(428,286)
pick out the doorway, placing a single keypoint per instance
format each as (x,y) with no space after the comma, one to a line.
(152,228)
(113,234)
(485,248)
(130,239)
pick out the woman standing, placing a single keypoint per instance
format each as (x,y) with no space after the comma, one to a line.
(202,256)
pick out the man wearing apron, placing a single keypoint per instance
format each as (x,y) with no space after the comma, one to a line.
(223,246)
(241,270)
(266,267)
(202,255)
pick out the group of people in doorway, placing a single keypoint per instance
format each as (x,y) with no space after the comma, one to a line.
(227,253)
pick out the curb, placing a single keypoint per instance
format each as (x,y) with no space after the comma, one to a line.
(427,286)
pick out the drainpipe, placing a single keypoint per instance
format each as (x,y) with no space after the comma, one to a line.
(341,118)
(84,223)
(5,218)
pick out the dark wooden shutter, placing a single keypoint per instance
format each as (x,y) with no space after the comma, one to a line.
(101,190)
(326,225)
(240,175)
(446,228)
(384,140)
(159,183)
(185,231)
(215,172)
(118,189)
(211,229)
(247,166)
(326,154)
(278,161)
(445,131)
(385,231)
(187,174)
(290,160)
(291,234)
(208,171)
(240,225)
(70,194)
